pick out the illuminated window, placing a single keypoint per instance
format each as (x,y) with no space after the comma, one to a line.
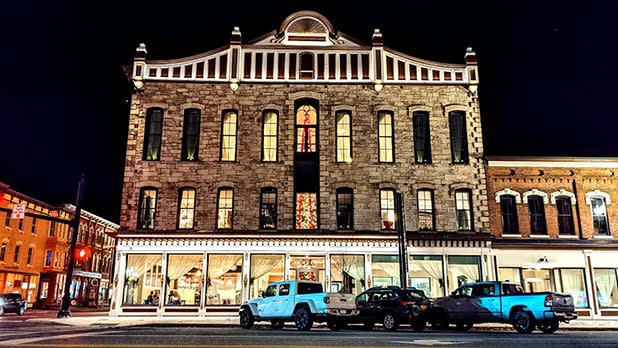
(387,208)
(52,228)
(426,216)
(3,252)
(599,215)
(186,207)
(152,134)
(422,140)
(7,219)
(268,208)
(508,212)
(459,139)
(147,208)
(536,210)
(344,136)
(306,121)
(191,135)
(33,227)
(345,208)
(29,258)
(565,215)
(385,136)
(228,135)
(16,255)
(225,205)
(306,211)
(463,212)
(269,130)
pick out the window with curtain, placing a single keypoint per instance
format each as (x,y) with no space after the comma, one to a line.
(537,280)
(345,208)
(191,135)
(308,267)
(225,205)
(265,269)
(268,208)
(344,136)
(508,212)
(385,270)
(143,279)
(184,280)
(572,281)
(606,287)
(459,138)
(426,214)
(509,274)
(385,137)
(565,215)
(599,215)
(347,273)
(186,207)
(427,274)
(463,270)
(270,119)
(536,209)
(463,210)
(147,208)
(152,134)
(387,208)
(306,129)
(306,211)
(224,283)
(228,135)
(422,139)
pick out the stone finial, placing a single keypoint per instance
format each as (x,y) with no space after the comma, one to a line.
(141,52)
(236,36)
(376,38)
(470,56)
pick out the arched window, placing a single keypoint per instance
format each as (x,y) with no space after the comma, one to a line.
(386,142)
(426,212)
(229,125)
(191,135)
(459,137)
(225,208)
(387,208)
(536,211)
(268,208)
(270,119)
(147,208)
(152,134)
(598,202)
(306,128)
(345,208)
(565,215)
(508,212)
(422,139)
(463,210)
(186,207)
(306,66)
(343,136)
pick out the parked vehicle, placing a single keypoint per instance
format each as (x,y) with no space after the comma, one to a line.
(504,302)
(302,302)
(12,303)
(392,306)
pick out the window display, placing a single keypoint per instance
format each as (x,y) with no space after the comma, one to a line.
(571,281)
(606,287)
(142,277)
(463,270)
(265,269)
(184,280)
(224,283)
(385,270)
(427,274)
(308,268)
(347,273)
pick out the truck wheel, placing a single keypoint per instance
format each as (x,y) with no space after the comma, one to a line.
(390,322)
(419,325)
(21,311)
(549,326)
(336,324)
(522,322)
(277,324)
(302,319)
(368,325)
(246,318)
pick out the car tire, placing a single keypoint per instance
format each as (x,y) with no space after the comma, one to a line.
(464,326)
(390,321)
(369,325)
(277,324)
(440,321)
(336,324)
(21,311)
(549,326)
(246,318)
(522,322)
(302,319)
(419,325)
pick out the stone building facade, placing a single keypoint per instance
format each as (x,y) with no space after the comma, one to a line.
(553,222)
(279,158)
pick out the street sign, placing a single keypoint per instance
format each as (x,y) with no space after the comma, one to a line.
(19,210)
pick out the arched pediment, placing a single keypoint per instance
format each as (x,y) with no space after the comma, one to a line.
(508,191)
(535,192)
(562,192)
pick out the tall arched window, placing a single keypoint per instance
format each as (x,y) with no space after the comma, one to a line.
(268,208)
(459,137)
(386,143)
(186,207)
(270,120)
(463,210)
(508,212)
(426,212)
(147,208)
(422,139)
(225,206)
(565,215)
(345,208)
(387,208)
(344,136)
(191,135)
(152,134)
(536,209)
(228,135)
(306,128)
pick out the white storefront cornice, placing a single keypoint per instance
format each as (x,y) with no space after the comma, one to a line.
(207,235)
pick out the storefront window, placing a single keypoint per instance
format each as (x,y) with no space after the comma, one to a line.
(606,287)
(265,269)
(426,273)
(537,280)
(463,270)
(385,270)
(509,274)
(142,277)
(224,284)
(308,268)
(347,274)
(571,281)
(184,280)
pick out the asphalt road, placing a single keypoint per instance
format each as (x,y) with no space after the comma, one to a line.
(16,333)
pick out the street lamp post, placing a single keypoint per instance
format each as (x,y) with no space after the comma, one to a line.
(65,311)
(402,240)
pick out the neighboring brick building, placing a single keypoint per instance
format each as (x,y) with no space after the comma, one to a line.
(555,227)
(272,159)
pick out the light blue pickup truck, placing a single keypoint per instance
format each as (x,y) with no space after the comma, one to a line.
(303,302)
(503,302)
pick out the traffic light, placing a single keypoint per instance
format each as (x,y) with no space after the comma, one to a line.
(82,253)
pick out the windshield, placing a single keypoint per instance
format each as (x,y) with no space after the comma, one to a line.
(309,288)
(413,295)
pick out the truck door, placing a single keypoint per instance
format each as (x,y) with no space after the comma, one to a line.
(458,304)
(267,307)
(485,301)
(283,300)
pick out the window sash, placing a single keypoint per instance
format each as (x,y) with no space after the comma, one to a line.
(270,136)
(228,136)
(147,210)
(459,139)
(225,206)
(345,209)
(268,209)
(153,134)
(344,137)
(422,139)
(508,211)
(426,216)
(566,225)
(599,215)
(463,213)
(536,211)
(387,209)
(385,136)
(186,208)
(191,135)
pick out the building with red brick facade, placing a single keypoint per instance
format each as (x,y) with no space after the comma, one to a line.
(554,224)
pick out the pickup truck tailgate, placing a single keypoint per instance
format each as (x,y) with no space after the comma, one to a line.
(562,302)
(341,304)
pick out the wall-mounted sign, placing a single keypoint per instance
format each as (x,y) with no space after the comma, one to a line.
(19,210)
(87,274)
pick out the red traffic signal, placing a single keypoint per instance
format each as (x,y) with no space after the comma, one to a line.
(82,253)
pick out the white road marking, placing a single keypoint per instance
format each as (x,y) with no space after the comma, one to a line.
(430,342)
(36,339)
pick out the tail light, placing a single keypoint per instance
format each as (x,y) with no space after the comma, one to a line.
(549,301)
(405,303)
(326,299)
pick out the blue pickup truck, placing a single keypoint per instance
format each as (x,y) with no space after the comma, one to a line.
(303,302)
(503,302)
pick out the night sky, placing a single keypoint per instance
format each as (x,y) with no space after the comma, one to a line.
(548,75)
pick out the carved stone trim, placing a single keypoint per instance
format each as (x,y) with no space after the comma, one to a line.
(535,192)
(597,193)
(508,191)
(562,192)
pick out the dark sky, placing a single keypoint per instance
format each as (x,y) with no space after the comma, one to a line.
(547,70)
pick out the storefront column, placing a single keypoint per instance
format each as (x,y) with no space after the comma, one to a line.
(368,273)
(447,279)
(163,297)
(595,311)
(246,267)
(204,294)
(286,271)
(327,272)
(118,284)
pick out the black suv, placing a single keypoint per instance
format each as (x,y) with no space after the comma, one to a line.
(392,306)
(12,303)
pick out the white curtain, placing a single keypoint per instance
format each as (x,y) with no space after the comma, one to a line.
(391,268)
(218,265)
(140,263)
(470,271)
(605,280)
(262,264)
(179,265)
(573,283)
(432,268)
(353,265)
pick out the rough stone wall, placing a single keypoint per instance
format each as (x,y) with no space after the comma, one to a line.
(248,174)
(548,180)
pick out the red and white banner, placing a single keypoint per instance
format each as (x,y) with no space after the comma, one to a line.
(19,210)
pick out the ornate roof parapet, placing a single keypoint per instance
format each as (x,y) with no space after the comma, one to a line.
(139,66)
(472,69)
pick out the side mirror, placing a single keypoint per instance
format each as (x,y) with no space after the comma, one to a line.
(262,294)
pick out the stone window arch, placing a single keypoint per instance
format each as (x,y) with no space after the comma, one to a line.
(560,193)
(508,191)
(535,192)
(597,193)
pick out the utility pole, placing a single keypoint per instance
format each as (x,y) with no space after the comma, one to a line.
(402,240)
(65,311)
